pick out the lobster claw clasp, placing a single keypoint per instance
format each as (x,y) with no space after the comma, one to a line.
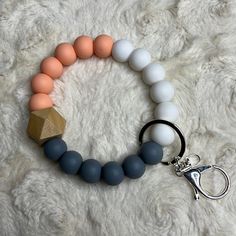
(187,166)
(194,177)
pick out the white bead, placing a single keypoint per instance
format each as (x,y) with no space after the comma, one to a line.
(162,91)
(121,50)
(139,58)
(166,111)
(162,134)
(153,73)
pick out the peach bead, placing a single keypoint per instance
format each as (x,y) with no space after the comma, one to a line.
(65,53)
(52,67)
(42,83)
(83,46)
(103,46)
(40,101)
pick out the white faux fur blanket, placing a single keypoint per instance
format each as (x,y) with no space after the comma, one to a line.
(106,104)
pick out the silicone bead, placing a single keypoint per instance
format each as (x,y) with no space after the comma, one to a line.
(121,50)
(162,134)
(40,101)
(151,153)
(112,173)
(70,162)
(65,53)
(83,46)
(52,67)
(54,148)
(162,91)
(153,73)
(133,167)
(42,83)
(90,171)
(103,46)
(139,58)
(166,111)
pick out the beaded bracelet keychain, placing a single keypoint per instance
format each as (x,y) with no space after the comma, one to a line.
(46,125)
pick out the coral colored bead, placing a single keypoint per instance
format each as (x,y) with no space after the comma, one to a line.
(42,83)
(103,46)
(65,53)
(83,46)
(52,67)
(40,101)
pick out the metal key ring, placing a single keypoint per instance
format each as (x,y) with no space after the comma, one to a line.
(185,168)
(175,127)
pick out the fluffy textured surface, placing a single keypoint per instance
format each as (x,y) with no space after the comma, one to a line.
(106,104)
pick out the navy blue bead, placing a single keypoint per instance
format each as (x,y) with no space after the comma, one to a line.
(133,166)
(54,148)
(151,153)
(70,162)
(112,173)
(90,171)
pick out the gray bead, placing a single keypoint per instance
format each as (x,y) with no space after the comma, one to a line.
(133,167)
(112,173)
(54,148)
(70,162)
(90,171)
(151,153)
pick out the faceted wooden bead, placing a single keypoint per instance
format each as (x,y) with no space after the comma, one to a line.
(45,124)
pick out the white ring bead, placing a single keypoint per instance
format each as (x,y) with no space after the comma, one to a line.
(121,50)
(139,58)
(162,134)
(162,91)
(153,73)
(166,111)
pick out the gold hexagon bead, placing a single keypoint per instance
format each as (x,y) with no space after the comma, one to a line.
(45,124)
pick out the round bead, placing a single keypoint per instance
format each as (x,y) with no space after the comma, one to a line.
(166,111)
(162,134)
(153,73)
(139,58)
(103,46)
(162,91)
(151,153)
(90,171)
(65,53)
(54,148)
(133,167)
(40,101)
(83,46)
(112,173)
(42,83)
(121,50)
(70,162)
(52,67)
